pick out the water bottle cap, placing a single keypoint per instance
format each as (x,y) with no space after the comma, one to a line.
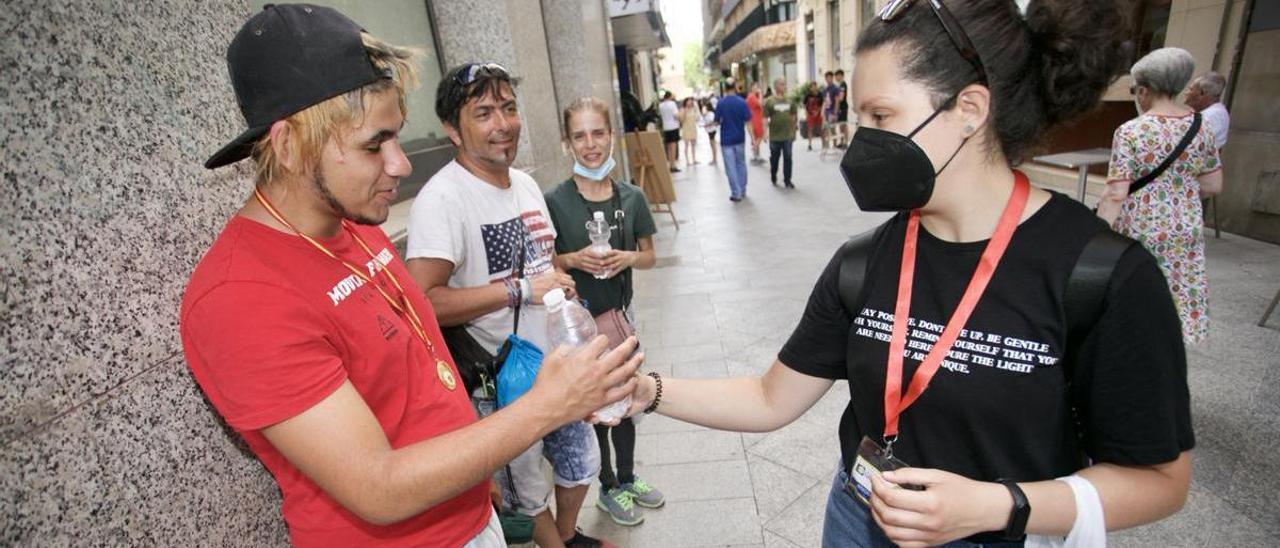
(598,216)
(553,298)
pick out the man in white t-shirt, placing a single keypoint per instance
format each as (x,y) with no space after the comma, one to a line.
(1205,95)
(670,113)
(470,226)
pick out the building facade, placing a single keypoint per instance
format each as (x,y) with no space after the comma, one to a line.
(752,41)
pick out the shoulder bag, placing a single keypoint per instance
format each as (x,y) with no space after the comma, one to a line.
(1177,151)
(613,323)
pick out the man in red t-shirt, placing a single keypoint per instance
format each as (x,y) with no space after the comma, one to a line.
(306,333)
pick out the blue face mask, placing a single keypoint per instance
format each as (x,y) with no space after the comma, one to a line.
(599,173)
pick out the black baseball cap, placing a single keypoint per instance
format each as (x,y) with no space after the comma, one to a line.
(289,57)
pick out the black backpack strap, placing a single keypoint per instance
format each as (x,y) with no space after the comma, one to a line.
(855,256)
(1168,161)
(1086,292)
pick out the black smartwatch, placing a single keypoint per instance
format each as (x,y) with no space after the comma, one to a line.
(1017,528)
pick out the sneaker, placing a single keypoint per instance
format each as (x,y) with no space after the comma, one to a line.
(580,540)
(644,494)
(620,504)
(789,185)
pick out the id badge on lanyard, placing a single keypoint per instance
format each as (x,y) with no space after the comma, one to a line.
(874,459)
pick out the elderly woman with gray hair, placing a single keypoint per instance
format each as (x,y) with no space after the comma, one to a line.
(1161,207)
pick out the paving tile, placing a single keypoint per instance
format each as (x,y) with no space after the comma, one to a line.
(773,540)
(806,447)
(1206,520)
(688,353)
(690,446)
(700,480)
(709,369)
(725,522)
(800,523)
(775,486)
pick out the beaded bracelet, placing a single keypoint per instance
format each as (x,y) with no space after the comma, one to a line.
(657,395)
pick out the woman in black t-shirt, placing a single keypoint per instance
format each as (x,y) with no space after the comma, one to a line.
(948,98)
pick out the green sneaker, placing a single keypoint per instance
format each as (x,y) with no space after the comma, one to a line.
(620,504)
(644,494)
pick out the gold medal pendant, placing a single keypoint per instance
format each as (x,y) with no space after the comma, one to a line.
(446,374)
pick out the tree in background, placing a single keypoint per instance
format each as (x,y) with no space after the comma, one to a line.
(694,76)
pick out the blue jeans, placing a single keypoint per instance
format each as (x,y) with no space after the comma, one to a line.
(735,166)
(848,522)
(780,148)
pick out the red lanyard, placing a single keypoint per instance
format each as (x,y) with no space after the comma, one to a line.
(894,402)
(401,305)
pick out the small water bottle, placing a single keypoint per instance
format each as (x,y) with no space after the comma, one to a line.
(598,231)
(570,324)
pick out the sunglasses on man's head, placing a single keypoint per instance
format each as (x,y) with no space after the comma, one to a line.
(949,24)
(469,73)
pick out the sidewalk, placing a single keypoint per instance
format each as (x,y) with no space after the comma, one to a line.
(731,284)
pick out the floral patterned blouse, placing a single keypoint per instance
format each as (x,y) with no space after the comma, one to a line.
(1166,215)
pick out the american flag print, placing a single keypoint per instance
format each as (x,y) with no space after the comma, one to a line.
(529,234)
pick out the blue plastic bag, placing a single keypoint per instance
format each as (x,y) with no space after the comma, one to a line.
(518,370)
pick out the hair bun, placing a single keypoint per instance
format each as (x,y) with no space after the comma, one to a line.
(1082,50)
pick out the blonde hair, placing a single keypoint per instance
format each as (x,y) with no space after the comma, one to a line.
(312,127)
(586,103)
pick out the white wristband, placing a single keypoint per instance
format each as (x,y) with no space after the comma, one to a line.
(526,291)
(1090,527)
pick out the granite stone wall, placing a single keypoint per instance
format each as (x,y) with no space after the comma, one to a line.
(107,110)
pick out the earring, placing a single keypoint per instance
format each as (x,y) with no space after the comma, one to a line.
(968,130)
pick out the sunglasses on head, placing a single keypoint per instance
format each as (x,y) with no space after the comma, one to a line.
(949,24)
(470,72)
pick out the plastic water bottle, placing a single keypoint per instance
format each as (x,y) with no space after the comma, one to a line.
(570,324)
(598,231)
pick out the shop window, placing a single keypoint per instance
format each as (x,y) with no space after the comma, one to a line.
(1152,24)
(866,12)
(833,15)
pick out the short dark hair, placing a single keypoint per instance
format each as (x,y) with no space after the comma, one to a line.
(1042,70)
(839,71)
(452,94)
(667,95)
(828,73)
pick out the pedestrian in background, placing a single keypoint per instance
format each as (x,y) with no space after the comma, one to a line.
(813,114)
(755,104)
(780,110)
(830,106)
(1205,95)
(710,126)
(670,114)
(605,282)
(732,114)
(842,109)
(689,117)
(1166,215)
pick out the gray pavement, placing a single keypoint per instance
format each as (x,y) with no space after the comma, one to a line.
(732,282)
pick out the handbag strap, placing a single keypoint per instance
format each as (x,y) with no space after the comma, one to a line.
(517,267)
(1177,151)
(616,202)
